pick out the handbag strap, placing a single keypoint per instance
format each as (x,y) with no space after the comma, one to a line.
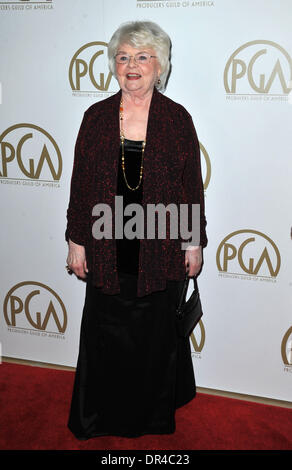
(184,290)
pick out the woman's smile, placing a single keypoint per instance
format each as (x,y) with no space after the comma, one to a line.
(133,76)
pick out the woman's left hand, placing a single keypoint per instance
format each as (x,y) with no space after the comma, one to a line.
(193,260)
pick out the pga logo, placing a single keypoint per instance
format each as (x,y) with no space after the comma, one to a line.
(248,252)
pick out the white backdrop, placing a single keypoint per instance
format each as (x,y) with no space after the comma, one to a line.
(232,70)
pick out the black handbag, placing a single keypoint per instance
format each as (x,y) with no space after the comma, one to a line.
(189,313)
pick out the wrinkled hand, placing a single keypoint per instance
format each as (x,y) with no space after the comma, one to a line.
(76,259)
(193,260)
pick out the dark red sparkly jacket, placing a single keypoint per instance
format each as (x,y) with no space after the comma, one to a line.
(172,174)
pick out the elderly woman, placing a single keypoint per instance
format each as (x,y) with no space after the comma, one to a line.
(133,370)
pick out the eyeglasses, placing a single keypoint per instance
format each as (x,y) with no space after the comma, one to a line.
(140,58)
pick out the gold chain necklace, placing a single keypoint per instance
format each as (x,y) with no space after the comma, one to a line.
(123,152)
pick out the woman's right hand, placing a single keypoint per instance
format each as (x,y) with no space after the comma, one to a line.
(76,259)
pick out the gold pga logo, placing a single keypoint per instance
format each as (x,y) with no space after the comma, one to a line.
(198,345)
(88,70)
(260,67)
(30,151)
(34,304)
(206,164)
(248,252)
(286,348)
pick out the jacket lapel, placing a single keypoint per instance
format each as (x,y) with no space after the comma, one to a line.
(152,156)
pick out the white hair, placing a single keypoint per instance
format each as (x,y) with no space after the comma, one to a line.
(142,34)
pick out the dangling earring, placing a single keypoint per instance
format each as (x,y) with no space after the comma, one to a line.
(158,81)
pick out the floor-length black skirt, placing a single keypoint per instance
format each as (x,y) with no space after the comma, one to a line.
(132,371)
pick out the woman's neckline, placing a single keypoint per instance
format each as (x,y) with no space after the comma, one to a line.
(132,140)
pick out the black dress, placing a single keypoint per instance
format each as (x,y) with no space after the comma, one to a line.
(132,371)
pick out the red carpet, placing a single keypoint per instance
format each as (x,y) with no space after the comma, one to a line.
(35,403)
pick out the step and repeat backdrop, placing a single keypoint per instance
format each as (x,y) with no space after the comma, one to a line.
(232,70)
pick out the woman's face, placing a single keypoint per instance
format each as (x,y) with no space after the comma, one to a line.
(137,78)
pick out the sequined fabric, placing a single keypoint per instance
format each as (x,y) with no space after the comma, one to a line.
(172,174)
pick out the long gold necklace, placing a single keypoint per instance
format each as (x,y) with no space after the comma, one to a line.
(123,151)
